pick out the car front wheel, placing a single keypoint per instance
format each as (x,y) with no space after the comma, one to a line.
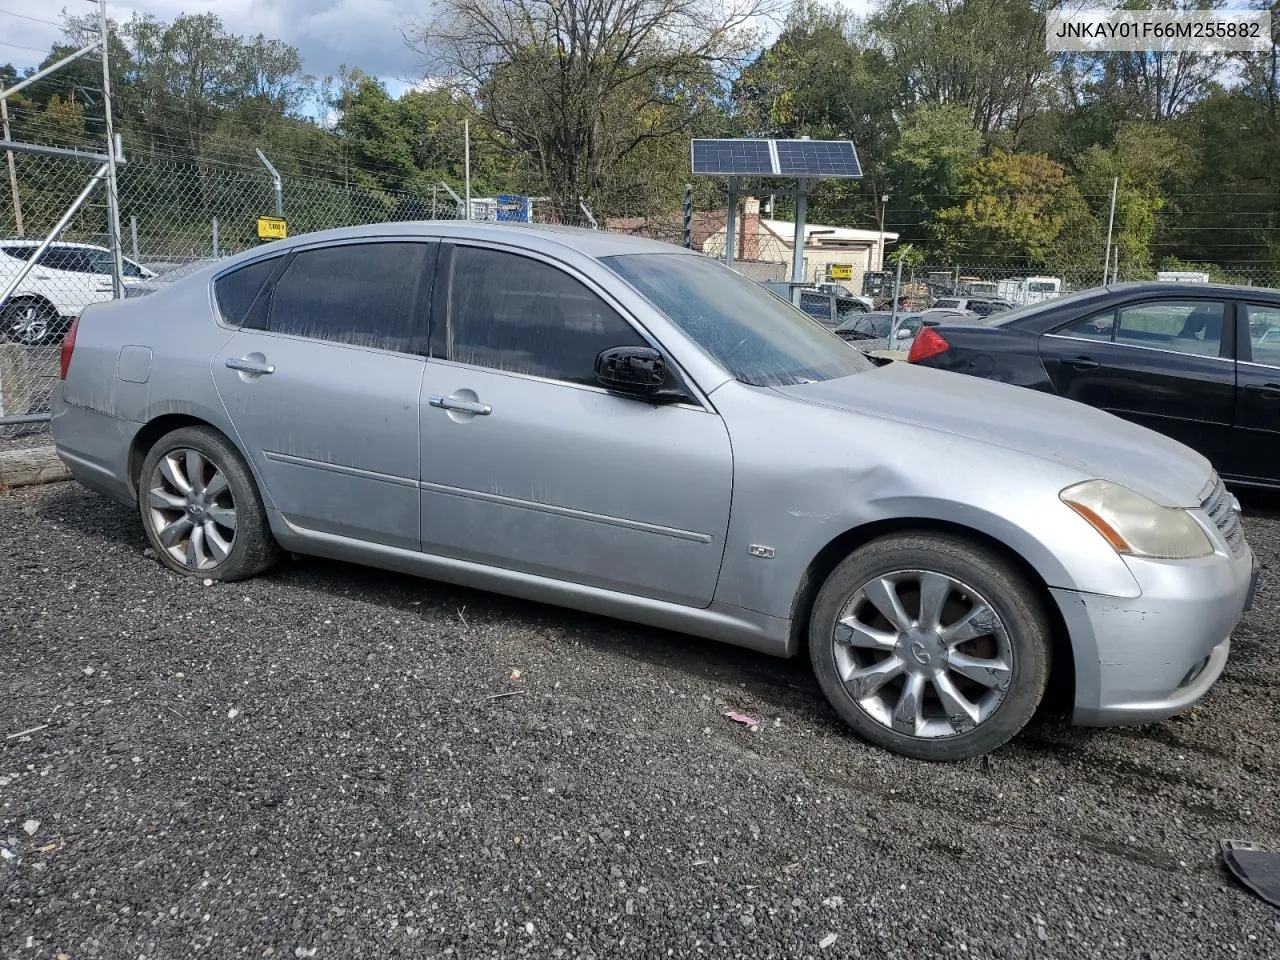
(930,645)
(201,508)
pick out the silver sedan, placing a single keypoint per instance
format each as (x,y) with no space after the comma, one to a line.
(620,426)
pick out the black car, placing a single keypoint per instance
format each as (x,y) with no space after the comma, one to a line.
(1197,362)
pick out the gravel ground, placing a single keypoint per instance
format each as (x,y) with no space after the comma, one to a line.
(336,762)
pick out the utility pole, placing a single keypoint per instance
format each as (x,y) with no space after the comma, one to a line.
(884,202)
(1111,221)
(13,170)
(113,190)
(466,163)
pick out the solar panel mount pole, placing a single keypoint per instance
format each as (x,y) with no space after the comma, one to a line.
(797,243)
(731,222)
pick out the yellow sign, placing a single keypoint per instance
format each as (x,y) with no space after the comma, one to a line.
(841,271)
(272,228)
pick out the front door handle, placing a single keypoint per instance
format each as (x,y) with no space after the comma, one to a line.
(245,365)
(463,406)
(1269,391)
(1082,363)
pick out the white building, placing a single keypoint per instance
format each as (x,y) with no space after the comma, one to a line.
(772,241)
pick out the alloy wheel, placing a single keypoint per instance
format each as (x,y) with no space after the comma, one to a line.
(28,323)
(191,509)
(923,654)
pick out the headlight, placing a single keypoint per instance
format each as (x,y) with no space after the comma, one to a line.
(1134,525)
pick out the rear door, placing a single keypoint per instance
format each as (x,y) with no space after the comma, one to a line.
(1167,364)
(1255,441)
(321,384)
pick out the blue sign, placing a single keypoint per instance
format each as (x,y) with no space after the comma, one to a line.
(513,209)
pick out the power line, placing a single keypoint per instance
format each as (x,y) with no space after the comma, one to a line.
(24,16)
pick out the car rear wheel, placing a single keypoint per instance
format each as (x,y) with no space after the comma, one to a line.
(29,322)
(201,508)
(930,645)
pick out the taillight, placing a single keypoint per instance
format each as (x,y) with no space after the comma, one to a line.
(928,343)
(68,345)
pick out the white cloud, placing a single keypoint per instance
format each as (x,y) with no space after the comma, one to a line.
(327,33)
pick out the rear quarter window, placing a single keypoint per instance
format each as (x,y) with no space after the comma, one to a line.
(236,291)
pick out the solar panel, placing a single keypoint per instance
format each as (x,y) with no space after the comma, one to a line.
(776,158)
(732,157)
(817,158)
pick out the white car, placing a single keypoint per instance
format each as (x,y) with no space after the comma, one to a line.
(67,278)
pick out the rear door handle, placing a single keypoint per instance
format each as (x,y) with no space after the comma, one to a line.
(1081,363)
(465,406)
(249,366)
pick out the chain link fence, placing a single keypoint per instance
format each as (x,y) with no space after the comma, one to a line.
(176,216)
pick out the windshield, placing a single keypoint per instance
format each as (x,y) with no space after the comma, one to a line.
(756,336)
(1041,286)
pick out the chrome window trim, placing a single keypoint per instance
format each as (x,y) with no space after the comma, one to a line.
(1139,346)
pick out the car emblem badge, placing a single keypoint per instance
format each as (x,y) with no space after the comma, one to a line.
(919,652)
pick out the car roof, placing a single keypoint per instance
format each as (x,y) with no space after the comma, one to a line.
(35,242)
(591,243)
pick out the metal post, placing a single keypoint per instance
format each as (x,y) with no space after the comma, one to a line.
(884,202)
(797,251)
(434,191)
(29,264)
(216,252)
(1106,260)
(133,234)
(51,68)
(13,170)
(466,163)
(276,183)
(113,152)
(897,292)
(586,212)
(731,222)
(687,239)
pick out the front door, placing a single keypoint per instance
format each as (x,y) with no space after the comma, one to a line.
(1167,364)
(1256,438)
(322,383)
(527,464)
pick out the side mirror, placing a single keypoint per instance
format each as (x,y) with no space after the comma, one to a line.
(641,371)
(904,333)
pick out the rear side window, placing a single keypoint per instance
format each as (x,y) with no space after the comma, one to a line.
(517,314)
(363,294)
(19,253)
(236,291)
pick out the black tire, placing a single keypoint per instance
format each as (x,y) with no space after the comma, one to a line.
(28,321)
(971,579)
(249,550)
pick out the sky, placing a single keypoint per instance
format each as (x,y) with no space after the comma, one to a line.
(327,33)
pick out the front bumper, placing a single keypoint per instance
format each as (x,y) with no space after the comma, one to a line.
(1152,657)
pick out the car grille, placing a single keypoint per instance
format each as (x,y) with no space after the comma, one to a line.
(1222,510)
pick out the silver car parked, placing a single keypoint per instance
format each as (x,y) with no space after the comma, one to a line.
(624,427)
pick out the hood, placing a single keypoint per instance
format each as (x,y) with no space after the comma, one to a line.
(1095,443)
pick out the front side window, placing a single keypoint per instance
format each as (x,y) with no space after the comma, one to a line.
(755,336)
(1099,326)
(1187,326)
(520,315)
(1264,333)
(362,294)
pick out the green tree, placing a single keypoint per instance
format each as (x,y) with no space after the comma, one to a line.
(1016,206)
(1146,160)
